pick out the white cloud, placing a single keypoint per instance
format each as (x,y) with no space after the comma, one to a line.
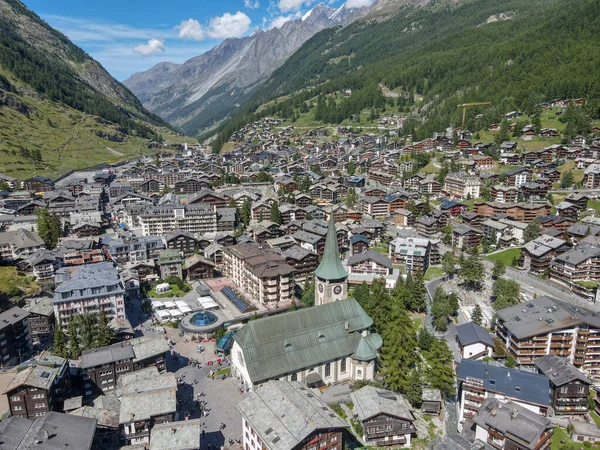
(251,4)
(191,29)
(278,21)
(293,5)
(357,3)
(229,25)
(153,46)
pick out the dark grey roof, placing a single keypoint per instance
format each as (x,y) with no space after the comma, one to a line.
(514,421)
(371,255)
(105,355)
(470,333)
(560,370)
(12,316)
(545,315)
(518,384)
(52,431)
(285,413)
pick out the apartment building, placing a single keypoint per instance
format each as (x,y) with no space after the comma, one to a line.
(415,253)
(15,336)
(286,415)
(579,268)
(133,248)
(102,367)
(262,274)
(591,177)
(87,289)
(523,212)
(537,255)
(197,218)
(462,185)
(38,387)
(465,237)
(20,243)
(478,381)
(545,326)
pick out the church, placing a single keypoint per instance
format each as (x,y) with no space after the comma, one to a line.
(324,344)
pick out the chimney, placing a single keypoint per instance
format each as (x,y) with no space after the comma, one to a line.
(346,325)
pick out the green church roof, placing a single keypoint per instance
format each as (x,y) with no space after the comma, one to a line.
(331,267)
(286,343)
(364,351)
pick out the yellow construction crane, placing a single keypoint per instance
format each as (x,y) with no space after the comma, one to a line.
(464,106)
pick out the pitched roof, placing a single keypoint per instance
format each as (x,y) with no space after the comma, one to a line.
(560,370)
(514,421)
(470,333)
(370,255)
(518,384)
(370,401)
(285,413)
(331,267)
(305,338)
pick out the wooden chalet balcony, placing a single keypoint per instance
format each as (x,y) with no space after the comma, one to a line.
(474,398)
(399,441)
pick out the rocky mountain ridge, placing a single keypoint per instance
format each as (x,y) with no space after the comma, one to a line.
(202,91)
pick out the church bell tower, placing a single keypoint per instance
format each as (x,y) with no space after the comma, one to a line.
(331,279)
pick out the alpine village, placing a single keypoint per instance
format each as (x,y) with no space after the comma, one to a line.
(368,225)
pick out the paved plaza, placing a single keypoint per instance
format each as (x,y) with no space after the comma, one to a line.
(218,397)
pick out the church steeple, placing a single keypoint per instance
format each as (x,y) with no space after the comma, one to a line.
(331,282)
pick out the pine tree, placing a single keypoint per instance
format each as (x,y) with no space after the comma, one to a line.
(417,292)
(449,264)
(105,335)
(414,390)
(441,373)
(398,350)
(60,348)
(49,227)
(425,339)
(477,315)
(275,214)
(499,269)
(532,231)
(308,293)
(246,212)
(74,346)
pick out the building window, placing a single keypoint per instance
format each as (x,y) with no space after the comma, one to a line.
(294,377)
(359,373)
(327,370)
(343,365)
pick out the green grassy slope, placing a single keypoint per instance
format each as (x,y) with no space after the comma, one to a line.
(440,58)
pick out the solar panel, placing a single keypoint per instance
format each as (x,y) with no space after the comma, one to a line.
(238,302)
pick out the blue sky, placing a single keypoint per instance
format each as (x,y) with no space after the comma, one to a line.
(128,36)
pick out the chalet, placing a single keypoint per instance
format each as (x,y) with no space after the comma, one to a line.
(472,219)
(208,197)
(369,265)
(569,387)
(386,417)
(181,240)
(261,211)
(512,426)
(518,176)
(38,184)
(404,218)
(569,210)
(303,261)
(196,267)
(191,185)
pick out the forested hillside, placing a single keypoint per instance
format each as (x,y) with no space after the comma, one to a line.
(53,95)
(514,53)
